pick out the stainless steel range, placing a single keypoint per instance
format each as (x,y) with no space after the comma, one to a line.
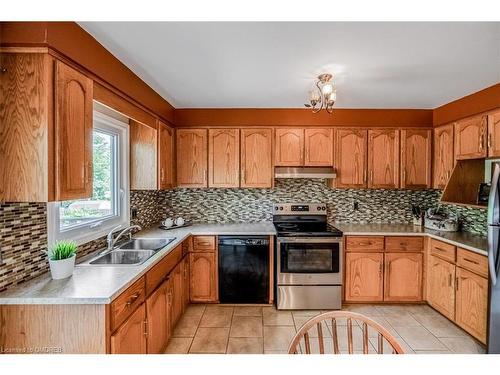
(308,259)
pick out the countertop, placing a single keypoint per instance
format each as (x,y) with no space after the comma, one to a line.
(102,284)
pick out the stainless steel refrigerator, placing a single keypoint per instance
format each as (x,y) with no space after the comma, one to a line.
(493,260)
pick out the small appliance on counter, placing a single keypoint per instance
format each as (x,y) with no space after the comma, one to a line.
(437,219)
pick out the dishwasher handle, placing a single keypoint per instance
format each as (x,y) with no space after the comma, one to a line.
(243,241)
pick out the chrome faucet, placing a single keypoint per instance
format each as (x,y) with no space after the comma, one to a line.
(111,242)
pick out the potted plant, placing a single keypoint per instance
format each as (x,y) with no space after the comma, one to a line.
(62,257)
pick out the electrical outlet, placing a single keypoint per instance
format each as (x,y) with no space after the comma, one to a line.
(133,213)
(355,206)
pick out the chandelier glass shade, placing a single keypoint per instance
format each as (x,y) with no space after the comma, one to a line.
(323,95)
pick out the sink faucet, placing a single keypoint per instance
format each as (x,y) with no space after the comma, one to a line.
(109,238)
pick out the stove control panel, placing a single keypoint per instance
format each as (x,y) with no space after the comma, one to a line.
(300,209)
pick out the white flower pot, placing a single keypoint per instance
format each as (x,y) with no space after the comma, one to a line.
(61,269)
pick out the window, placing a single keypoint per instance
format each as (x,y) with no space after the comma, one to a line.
(84,220)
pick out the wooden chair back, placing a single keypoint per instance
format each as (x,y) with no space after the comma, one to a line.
(354,324)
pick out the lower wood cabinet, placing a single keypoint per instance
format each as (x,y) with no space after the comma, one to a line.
(203,277)
(130,338)
(177,279)
(158,307)
(403,277)
(441,286)
(185,291)
(364,277)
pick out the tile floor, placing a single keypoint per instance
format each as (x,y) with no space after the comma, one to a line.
(219,329)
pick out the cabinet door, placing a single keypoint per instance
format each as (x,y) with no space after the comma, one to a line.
(203,281)
(471,303)
(185,292)
(177,278)
(444,158)
(159,319)
(364,277)
(416,159)
(403,277)
(143,157)
(350,158)
(224,158)
(289,146)
(73,134)
(165,156)
(470,138)
(383,159)
(441,286)
(256,158)
(130,338)
(318,146)
(192,157)
(494,134)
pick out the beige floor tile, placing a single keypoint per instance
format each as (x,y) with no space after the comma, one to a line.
(363,309)
(372,332)
(278,337)
(248,311)
(401,320)
(463,345)
(421,310)
(217,316)
(439,326)
(195,310)
(275,352)
(273,317)
(309,313)
(246,326)
(245,345)
(393,309)
(388,348)
(210,340)
(433,352)
(178,345)
(186,327)
(419,338)
(313,331)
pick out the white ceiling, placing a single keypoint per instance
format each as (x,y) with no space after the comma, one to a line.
(273,65)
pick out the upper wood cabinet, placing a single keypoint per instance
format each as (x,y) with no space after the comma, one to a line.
(130,338)
(364,276)
(73,134)
(318,147)
(416,146)
(289,146)
(192,157)
(441,286)
(494,134)
(256,158)
(350,158)
(470,138)
(444,158)
(165,156)
(143,157)
(224,158)
(403,277)
(383,159)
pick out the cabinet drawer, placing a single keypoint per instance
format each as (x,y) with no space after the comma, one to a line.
(204,243)
(364,243)
(399,243)
(443,250)
(160,271)
(126,303)
(472,261)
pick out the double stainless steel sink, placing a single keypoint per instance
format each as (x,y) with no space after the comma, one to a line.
(134,252)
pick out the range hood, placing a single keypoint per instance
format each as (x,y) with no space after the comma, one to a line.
(304,172)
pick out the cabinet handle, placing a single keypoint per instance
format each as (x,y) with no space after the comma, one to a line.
(371,176)
(471,261)
(205,175)
(145,327)
(162,175)
(404,175)
(489,140)
(365,243)
(439,249)
(449,279)
(132,299)
(380,269)
(456,283)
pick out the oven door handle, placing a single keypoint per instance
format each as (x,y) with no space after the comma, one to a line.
(309,240)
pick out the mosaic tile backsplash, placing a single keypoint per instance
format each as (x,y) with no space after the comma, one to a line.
(23,226)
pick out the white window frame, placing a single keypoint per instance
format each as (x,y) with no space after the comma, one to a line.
(95,229)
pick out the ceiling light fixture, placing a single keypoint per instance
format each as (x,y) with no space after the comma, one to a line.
(323,95)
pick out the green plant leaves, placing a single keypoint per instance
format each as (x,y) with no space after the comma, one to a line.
(62,250)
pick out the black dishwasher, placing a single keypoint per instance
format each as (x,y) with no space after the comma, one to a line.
(243,269)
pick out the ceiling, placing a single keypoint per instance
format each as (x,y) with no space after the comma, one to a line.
(274,64)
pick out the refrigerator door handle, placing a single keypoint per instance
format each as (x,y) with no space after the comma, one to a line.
(492,241)
(493,199)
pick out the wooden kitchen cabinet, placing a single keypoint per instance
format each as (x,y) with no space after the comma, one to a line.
(192,158)
(185,291)
(318,147)
(177,279)
(403,277)
(364,277)
(159,317)
(383,159)
(165,156)
(444,158)
(224,158)
(130,338)
(256,158)
(350,158)
(494,134)
(471,303)
(203,277)
(289,147)
(416,146)
(143,157)
(441,286)
(73,134)
(470,138)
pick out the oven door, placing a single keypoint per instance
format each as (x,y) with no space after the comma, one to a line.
(309,261)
